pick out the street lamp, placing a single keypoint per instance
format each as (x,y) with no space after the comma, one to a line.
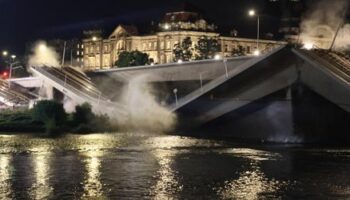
(217,57)
(166,26)
(252,13)
(94,38)
(175,93)
(5,53)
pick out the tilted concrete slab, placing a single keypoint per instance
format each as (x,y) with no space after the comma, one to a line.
(79,97)
(327,80)
(194,70)
(259,78)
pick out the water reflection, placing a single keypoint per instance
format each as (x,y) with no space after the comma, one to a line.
(167,185)
(93,188)
(252,183)
(5,177)
(41,157)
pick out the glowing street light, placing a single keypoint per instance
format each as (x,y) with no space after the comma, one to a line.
(5,53)
(252,13)
(166,26)
(94,38)
(42,47)
(13,57)
(179,61)
(256,53)
(217,57)
(308,46)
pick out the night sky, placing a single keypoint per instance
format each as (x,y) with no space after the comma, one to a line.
(23,21)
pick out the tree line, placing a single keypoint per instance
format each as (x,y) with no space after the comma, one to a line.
(206,48)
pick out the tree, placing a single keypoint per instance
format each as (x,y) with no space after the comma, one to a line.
(83,114)
(206,48)
(51,113)
(183,51)
(133,58)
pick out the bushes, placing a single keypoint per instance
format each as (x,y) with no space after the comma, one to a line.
(50,116)
(84,120)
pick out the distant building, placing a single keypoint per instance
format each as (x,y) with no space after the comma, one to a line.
(290,17)
(102,53)
(74,51)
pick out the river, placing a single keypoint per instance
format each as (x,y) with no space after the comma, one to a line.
(144,166)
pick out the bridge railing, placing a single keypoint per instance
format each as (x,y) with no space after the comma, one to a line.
(330,62)
(221,79)
(87,97)
(10,96)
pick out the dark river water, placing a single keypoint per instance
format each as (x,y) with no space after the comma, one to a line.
(141,166)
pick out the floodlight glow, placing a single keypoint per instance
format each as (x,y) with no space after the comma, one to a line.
(217,57)
(308,46)
(251,12)
(166,27)
(256,53)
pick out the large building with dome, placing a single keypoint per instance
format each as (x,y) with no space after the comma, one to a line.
(102,53)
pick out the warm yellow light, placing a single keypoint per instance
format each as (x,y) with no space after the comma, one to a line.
(5,53)
(217,57)
(251,12)
(42,47)
(256,53)
(94,38)
(166,27)
(308,46)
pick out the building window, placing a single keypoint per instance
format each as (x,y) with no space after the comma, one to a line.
(78,53)
(161,45)
(168,45)
(82,46)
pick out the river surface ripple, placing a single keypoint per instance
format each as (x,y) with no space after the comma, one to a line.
(143,166)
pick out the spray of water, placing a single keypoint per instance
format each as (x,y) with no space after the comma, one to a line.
(321,22)
(145,112)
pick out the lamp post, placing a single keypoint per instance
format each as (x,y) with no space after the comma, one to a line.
(175,93)
(95,39)
(252,13)
(11,62)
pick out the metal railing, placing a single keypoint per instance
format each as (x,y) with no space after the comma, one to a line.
(86,97)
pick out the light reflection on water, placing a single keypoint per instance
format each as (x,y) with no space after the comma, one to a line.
(92,184)
(134,166)
(5,175)
(41,162)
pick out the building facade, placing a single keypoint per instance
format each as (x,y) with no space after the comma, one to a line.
(100,53)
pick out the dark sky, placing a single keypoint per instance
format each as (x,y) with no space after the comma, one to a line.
(27,20)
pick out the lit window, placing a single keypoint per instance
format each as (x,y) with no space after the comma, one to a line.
(78,53)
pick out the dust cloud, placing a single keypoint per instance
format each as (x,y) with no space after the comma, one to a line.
(43,55)
(321,22)
(145,112)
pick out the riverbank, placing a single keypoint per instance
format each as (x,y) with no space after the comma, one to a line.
(53,120)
